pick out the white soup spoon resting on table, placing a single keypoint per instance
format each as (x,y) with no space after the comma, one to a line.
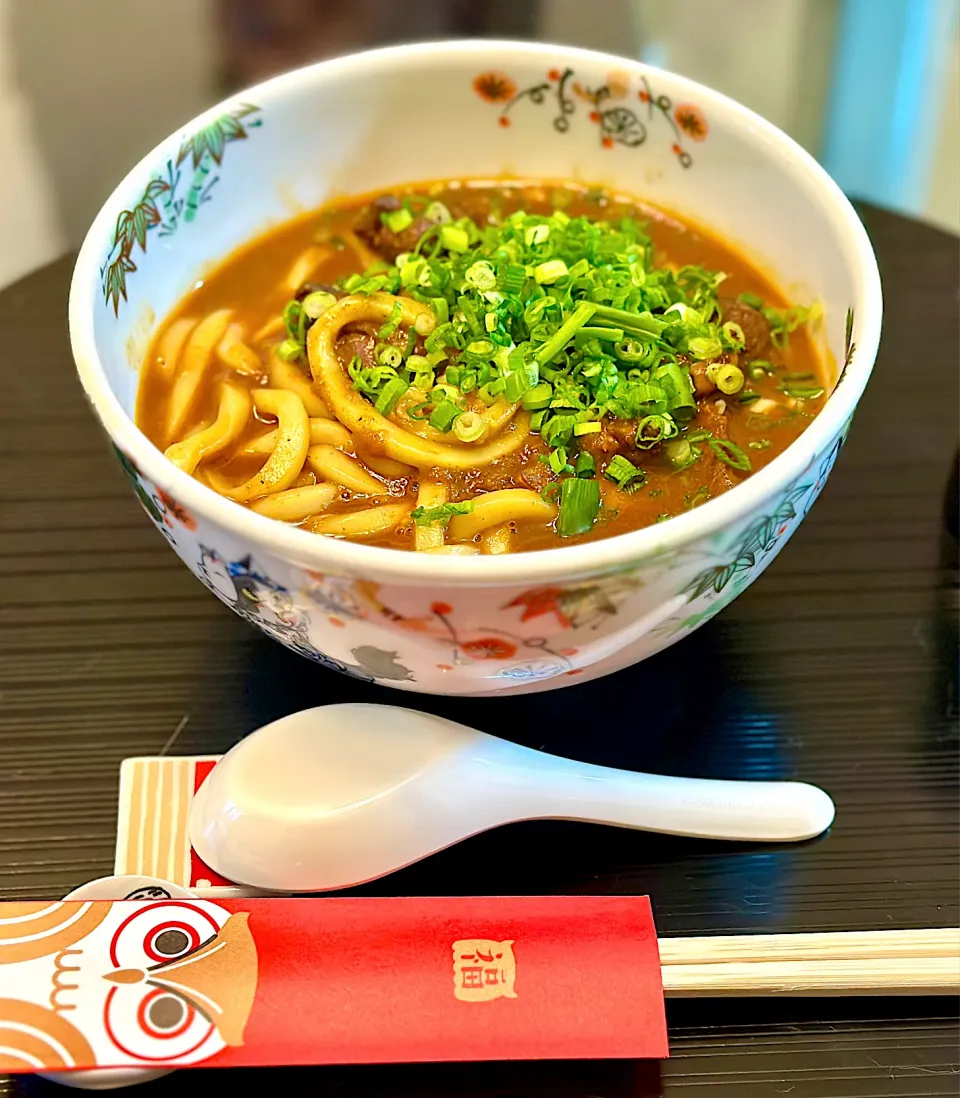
(342,794)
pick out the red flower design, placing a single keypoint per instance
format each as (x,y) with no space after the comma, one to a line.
(441,608)
(504,120)
(553,74)
(607,142)
(643,96)
(495,87)
(678,149)
(490,648)
(175,511)
(594,116)
(690,119)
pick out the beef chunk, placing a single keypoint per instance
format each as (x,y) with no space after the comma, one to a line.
(756,330)
(702,385)
(712,415)
(616,436)
(313,287)
(383,240)
(355,341)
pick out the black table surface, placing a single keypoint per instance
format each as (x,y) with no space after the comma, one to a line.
(838,666)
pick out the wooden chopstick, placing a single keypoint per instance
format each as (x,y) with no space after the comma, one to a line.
(875,962)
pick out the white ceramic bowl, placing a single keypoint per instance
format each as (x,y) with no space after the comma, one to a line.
(474,625)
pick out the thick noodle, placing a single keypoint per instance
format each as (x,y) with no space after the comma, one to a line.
(296,504)
(193,365)
(283,466)
(287,375)
(496,508)
(373,522)
(232,418)
(333,464)
(357,413)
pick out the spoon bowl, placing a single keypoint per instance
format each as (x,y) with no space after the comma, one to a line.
(335,796)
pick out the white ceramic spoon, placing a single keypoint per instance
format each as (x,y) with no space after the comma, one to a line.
(339,795)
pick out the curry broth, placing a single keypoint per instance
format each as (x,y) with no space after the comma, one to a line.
(251,282)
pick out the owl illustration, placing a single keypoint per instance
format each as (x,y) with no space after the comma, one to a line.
(122,984)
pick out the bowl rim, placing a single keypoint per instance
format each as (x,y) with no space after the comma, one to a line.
(602,555)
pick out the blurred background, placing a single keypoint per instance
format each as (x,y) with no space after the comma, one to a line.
(870,87)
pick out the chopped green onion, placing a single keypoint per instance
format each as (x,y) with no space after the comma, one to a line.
(731,454)
(567,330)
(680,453)
(623,472)
(557,460)
(317,303)
(397,220)
(441,514)
(579,506)
(512,278)
(728,379)
(605,335)
(538,397)
(652,430)
(536,234)
(292,313)
(443,415)
(549,272)
(760,444)
(437,212)
(748,396)
(289,350)
(424,324)
(481,276)
(811,393)
(733,334)
(454,239)
(591,427)
(468,427)
(393,321)
(752,300)
(705,347)
(390,394)
(585,465)
(390,356)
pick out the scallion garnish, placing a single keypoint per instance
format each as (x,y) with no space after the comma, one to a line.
(579,506)
(570,318)
(441,514)
(730,454)
(623,473)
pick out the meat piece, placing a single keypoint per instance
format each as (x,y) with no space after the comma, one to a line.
(702,385)
(325,287)
(383,240)
(712,416)
(536,475)
(616,436)
(355,341)
(756,330)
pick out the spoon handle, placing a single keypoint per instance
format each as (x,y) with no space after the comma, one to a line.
(696,807)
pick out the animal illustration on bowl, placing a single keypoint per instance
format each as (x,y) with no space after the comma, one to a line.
(246,588)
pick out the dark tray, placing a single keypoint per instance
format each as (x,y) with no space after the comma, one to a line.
(839,666)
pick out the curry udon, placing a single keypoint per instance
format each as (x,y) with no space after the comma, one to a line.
(466,368)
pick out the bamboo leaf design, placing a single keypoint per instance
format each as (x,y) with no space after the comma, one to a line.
(205,147)
(214,137)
